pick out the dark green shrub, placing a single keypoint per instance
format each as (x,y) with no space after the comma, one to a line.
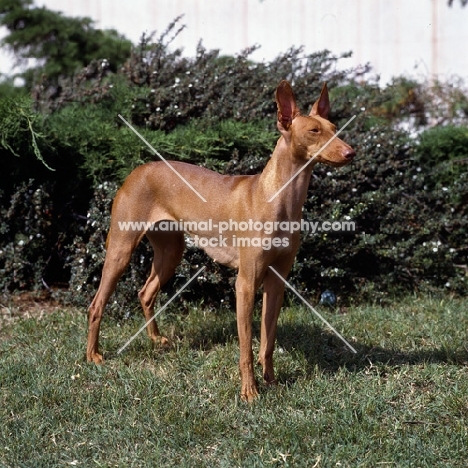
(443,152)
(399,244)
(40,200)
(25,229)
(407,197)
(406,234)
(160,89)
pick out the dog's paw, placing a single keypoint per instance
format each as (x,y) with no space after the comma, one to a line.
(95,357)
(269,379)
(161,342)
(249,393)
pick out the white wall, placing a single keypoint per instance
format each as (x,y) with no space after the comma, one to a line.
(413,37)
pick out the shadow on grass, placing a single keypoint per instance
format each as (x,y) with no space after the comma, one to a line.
(322,349)
(317,345)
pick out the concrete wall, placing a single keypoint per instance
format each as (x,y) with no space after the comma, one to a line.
(413,37)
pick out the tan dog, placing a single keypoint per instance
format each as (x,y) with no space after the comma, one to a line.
(154,192)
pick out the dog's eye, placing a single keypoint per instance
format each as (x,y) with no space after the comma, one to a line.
(314,130)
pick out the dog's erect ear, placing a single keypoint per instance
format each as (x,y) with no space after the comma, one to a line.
(287,108)
(322,105)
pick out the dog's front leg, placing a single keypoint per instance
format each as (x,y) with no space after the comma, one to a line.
(245,294)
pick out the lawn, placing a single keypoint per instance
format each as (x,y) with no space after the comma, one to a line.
(401,401)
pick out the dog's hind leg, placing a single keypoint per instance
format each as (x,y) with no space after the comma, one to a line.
(168,249)
(120,245)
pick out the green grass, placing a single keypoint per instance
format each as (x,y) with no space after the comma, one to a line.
(401,401)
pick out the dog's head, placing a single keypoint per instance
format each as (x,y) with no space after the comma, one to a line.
(311,136)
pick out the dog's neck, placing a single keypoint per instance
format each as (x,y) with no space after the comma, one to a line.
(277,179)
